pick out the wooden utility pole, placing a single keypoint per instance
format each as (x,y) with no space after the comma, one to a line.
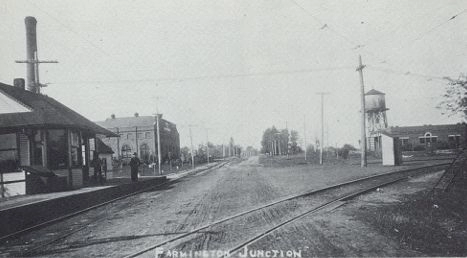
(158,132)
(321,145)
(304,133)
(362,110)
(192,151)
(207,145)
(158,143)
(223,151)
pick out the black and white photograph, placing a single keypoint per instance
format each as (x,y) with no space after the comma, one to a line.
(233,128)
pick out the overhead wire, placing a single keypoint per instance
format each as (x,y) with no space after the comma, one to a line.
(209,77)
(69,28)
(407,73)
(364,46)
(439,25)
(324,25)
(427,32)
(376,38)
(354,45)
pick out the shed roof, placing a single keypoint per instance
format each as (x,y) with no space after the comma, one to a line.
(103,148)
(46,112)
(374,92)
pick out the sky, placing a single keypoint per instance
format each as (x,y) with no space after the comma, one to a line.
(238,67)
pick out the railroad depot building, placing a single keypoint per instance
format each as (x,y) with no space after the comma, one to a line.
(139,134)
(430,137)
(41,134)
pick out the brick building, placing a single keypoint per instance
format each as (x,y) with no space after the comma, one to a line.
(139,134)
(425,137)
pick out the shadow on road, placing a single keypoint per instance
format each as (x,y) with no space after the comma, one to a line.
(80,244)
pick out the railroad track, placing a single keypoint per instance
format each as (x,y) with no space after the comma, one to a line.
(286,211)
(37,249)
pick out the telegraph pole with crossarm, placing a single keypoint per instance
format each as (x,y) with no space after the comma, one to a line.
(362,111)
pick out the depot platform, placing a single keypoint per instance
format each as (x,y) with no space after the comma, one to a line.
(22,212)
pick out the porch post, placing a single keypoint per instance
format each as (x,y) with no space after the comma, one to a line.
(68,149)
(118,144)
(86,158)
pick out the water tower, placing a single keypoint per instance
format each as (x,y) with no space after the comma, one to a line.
(375,108)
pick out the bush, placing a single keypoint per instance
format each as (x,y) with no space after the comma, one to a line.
(442,145)
(419,148)
(407,147)
(345,150)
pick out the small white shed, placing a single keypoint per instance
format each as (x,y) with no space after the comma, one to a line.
(391,150)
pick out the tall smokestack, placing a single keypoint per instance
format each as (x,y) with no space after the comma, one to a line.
(31,50)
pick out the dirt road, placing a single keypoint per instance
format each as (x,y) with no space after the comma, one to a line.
(186,203)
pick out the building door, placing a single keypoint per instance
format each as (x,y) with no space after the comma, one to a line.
(38,146)
(144,152)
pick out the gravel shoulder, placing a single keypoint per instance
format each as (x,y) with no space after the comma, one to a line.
(398,220)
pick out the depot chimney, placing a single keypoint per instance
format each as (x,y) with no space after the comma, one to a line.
(31,52)
(18,82)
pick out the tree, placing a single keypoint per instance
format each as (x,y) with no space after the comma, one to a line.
(200,156)
(455,98)
(294,148)
(269,135)
(344,151)
(250,150)
(185,154)
(280,139)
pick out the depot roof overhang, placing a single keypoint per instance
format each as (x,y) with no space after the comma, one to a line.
(46,113)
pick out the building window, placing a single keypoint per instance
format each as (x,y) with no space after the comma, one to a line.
(428,138)
(126,151)
(454,140)
(129,136)
(404,141)
(147,135)
(8,153)
(140,135)
(74,143)
(57,149)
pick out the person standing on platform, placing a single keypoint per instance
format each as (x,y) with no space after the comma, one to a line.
(96,164)
(134,165)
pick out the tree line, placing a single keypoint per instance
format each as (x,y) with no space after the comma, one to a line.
(280,142)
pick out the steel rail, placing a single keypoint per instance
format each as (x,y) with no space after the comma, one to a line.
(338,201)
(34,250)
(67,216)
(196,230)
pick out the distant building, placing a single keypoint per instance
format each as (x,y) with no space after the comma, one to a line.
(139,134)
(39,132)
(429,137)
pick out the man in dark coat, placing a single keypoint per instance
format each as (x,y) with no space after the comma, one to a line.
(134,164)
(96,164)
